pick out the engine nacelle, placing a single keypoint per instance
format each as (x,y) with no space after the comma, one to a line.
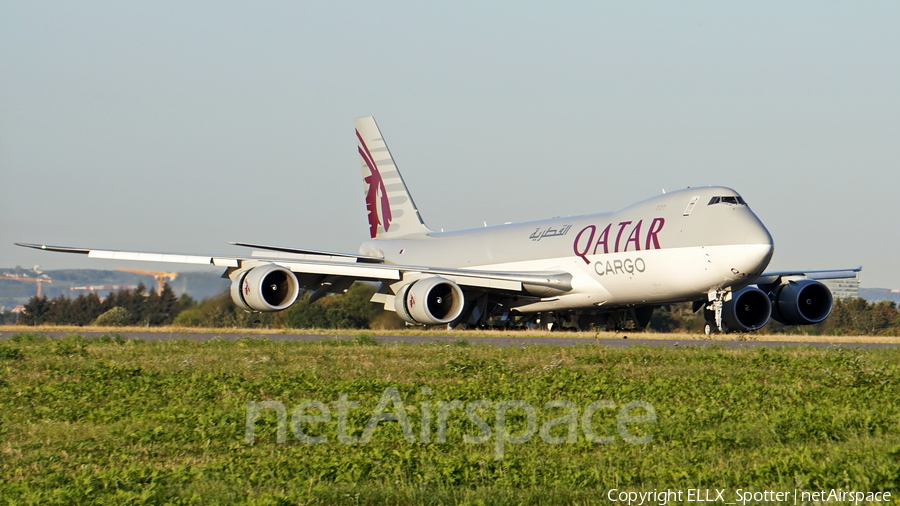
(265,288)
(429,301)
(801,302)
(748,309)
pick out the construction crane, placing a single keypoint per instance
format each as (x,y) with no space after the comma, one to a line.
(39,281)
(94,288)
(160,277)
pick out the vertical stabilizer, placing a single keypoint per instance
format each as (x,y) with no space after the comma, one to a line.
(392,212)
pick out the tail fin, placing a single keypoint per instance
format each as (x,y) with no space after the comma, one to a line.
(392,212)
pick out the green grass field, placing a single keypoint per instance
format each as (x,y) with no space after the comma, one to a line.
(113,421)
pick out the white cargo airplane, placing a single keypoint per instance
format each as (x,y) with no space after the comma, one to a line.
(701,245)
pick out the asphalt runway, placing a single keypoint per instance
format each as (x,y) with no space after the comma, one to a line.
(623,342)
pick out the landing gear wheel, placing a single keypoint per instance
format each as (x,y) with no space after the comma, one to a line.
(710,328)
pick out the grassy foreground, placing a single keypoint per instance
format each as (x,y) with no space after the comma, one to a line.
(113,421)
(174,331)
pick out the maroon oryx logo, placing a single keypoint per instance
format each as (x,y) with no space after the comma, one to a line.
(375,192)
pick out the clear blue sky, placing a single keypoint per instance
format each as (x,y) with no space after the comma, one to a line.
(179,126)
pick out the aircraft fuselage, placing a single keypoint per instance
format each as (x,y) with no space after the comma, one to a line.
(674,247)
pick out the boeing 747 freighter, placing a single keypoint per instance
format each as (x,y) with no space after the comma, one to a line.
(702,245)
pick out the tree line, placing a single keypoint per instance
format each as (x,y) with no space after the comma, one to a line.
(352,310)
(138,307)
(125,307)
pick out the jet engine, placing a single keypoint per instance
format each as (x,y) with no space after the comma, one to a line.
(429,301)
(801,302)
(265,288)
(748,309)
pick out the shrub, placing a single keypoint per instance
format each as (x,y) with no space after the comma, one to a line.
(115,317)
(10,353)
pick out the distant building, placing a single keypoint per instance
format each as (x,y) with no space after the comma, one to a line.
(843,288)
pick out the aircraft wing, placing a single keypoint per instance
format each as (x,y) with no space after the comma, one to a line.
(768,278)
(282,249)
(341,265)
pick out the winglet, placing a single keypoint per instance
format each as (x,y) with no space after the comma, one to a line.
(59,249)
(391,210)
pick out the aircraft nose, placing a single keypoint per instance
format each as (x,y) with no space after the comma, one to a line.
(759,234)
(759,245)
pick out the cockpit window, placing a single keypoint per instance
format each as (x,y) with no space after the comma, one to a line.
(734,200)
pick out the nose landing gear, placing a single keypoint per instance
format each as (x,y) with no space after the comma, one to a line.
(712,311)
